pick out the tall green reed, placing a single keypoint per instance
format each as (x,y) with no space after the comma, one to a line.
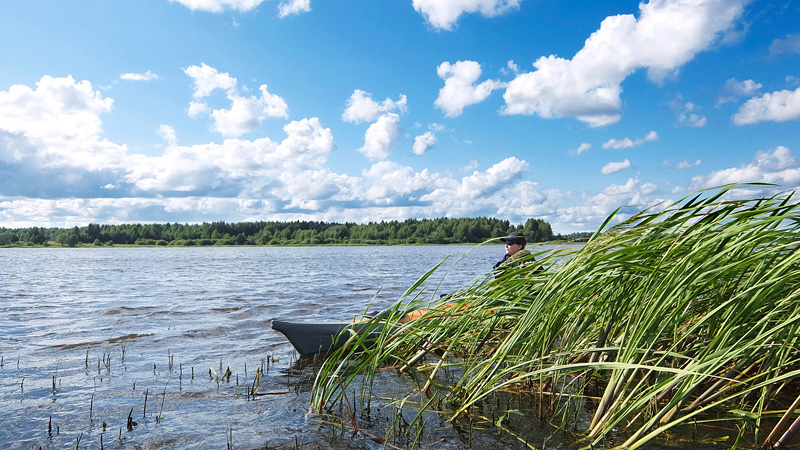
(684,312)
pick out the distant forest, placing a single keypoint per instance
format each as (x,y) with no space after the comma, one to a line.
(411,231)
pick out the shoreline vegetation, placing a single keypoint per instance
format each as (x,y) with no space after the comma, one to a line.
(299,233)
(675,323)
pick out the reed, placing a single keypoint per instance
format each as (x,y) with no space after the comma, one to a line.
(683,313)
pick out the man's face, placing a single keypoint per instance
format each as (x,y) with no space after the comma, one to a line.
(512,248)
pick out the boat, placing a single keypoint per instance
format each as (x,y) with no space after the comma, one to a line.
(310,338)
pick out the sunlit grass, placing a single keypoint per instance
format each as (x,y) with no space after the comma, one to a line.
(678,315)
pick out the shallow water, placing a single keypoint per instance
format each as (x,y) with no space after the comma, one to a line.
(89,335)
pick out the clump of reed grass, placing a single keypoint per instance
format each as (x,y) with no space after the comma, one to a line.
(683,314)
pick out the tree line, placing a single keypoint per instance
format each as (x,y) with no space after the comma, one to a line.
(410,231)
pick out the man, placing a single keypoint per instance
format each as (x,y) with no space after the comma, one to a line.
(515,251)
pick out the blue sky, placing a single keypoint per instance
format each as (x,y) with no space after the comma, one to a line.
(205,110)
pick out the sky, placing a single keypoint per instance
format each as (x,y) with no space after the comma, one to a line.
(143,111)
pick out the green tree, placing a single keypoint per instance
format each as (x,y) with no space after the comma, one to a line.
(67,238)
(8,237)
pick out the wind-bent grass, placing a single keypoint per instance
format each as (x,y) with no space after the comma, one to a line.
(687,314)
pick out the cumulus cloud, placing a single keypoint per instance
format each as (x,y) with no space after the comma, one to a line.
(688,116)
(235,166)
(777,106)
(790,44)
(525,199)
(687,165)
(246,113)
(423,142)
(667,34)
(630,143)
(733,89)
(362,108)
(57,125)
(585,146)
(615,167)
(381,137)
(293,7)
(777,166)
(207,79)
(631,196)
(475,191)
(168,133)
(444,14)
(218,6)
(147,76)
(459,89)
(511,68)
(390,184)
(471,166)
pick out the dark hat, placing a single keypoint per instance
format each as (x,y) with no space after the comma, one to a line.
(514,238)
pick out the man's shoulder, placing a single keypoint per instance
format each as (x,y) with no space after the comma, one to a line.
(524,253)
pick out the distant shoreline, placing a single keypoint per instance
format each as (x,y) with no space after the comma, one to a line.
(463,244)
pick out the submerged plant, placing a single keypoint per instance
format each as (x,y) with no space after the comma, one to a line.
(673,316)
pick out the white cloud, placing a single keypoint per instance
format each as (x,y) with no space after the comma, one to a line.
(423,142)
(733,89)
(390,183)
(57,125)
(470,167)
(525,199)
(686,164)
(443,14)
(147,76)
(207,79)
(791,44)
(168,133)
(260,168)
(630,143)
(381,136)
(475,191)
(459,89)
(692,119)
(777,166)
(667,34)
(218,6)
(294,7)
(248,113)
(245,115)
(631,196)
(197,108)
(688,113)
(778,106)
(615,167)
(511,68)
(585,146)
(362,108)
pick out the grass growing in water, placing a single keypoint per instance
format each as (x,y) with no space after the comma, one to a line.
(678,316)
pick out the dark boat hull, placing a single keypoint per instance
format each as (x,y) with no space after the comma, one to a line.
(309,338)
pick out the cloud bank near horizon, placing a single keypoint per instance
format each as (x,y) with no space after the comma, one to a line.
(54,133)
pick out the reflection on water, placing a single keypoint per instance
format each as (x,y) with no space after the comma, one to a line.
(88,334)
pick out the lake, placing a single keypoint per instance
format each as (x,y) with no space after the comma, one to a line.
(97,339)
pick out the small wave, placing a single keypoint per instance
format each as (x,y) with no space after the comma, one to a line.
(128,337)
(123,309)
(226,310)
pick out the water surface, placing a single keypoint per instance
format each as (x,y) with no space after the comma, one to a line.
(91,336)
